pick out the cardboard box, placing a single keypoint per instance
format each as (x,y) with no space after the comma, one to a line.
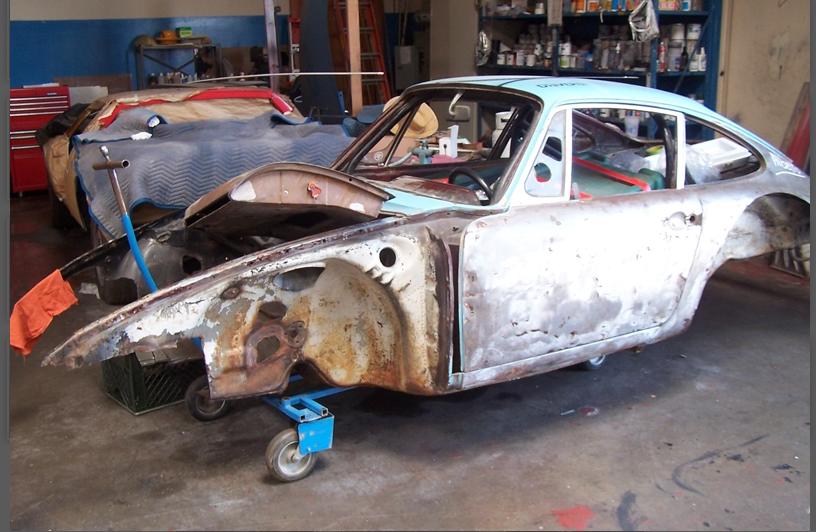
(378,152)
(184,32)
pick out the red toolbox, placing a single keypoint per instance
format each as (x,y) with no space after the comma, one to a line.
(29,110)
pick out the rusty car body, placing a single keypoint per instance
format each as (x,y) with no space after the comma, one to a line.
(430,274)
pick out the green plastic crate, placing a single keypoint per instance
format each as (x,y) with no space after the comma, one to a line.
(143,388)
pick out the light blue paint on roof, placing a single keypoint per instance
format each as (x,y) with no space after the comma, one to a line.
(563,90)
(554,91)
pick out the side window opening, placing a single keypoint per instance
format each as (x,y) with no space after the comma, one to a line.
(712,156)
(621,151)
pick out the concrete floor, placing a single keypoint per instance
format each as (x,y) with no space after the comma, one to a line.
(709,430)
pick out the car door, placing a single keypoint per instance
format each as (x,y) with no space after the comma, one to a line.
(551,275)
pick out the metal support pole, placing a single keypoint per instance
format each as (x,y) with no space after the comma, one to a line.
(273,55)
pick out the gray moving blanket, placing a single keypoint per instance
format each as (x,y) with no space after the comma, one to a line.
(182,162)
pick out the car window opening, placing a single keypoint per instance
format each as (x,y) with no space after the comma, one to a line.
(454,144)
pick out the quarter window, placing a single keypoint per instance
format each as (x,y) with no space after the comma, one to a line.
(712,156)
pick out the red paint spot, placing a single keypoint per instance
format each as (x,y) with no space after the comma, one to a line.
(749,468)
(779,481)
(314,190)
(678,493)
(575,517)
(456,456)
(588,411)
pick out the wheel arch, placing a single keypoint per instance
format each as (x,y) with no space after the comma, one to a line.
(770,223)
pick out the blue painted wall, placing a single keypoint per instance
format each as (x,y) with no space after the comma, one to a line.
(41,50)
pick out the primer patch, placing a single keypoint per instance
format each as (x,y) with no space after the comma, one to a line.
(244,192)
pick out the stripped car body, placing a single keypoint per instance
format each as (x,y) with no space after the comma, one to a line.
(399,275)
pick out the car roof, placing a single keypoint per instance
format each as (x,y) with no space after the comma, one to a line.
(570,90)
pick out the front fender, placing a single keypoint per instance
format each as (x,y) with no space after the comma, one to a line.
(368,306)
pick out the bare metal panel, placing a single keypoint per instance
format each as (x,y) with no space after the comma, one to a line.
(287,201)
(573,273)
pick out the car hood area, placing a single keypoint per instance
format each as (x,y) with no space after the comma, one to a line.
(333,284)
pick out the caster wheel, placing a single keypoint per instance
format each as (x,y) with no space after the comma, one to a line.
(283,459)
(199,403)
(592,364)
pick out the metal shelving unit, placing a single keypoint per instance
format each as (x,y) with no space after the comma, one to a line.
(163,54)
(584,24)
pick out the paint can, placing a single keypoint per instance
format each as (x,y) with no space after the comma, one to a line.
(678,32)
(693,32)
(501,58)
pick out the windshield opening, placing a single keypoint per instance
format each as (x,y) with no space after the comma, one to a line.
(453,143)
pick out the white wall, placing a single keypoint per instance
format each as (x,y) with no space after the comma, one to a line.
(765,55)
(454,27)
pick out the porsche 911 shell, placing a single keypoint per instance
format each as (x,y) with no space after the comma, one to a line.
(439,295)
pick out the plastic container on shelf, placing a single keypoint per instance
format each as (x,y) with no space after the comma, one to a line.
(673,54)
(631,125)
(693,31)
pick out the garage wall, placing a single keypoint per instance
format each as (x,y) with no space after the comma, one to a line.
(765,57)
(95,37)
(64,38)
(454,27)
(132,9)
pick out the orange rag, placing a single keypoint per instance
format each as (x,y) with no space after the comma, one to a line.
(35,310)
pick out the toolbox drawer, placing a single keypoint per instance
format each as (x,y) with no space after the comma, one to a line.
(29,110)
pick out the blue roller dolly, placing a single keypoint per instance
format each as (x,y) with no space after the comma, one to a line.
(291,455)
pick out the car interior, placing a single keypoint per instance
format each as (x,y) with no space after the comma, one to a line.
(613,150)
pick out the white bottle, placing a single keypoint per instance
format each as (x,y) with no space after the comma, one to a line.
(701,61)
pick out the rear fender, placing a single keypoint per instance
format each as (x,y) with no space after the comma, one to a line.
(770,223)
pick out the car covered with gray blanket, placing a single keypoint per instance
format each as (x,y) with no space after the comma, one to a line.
(182,142)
